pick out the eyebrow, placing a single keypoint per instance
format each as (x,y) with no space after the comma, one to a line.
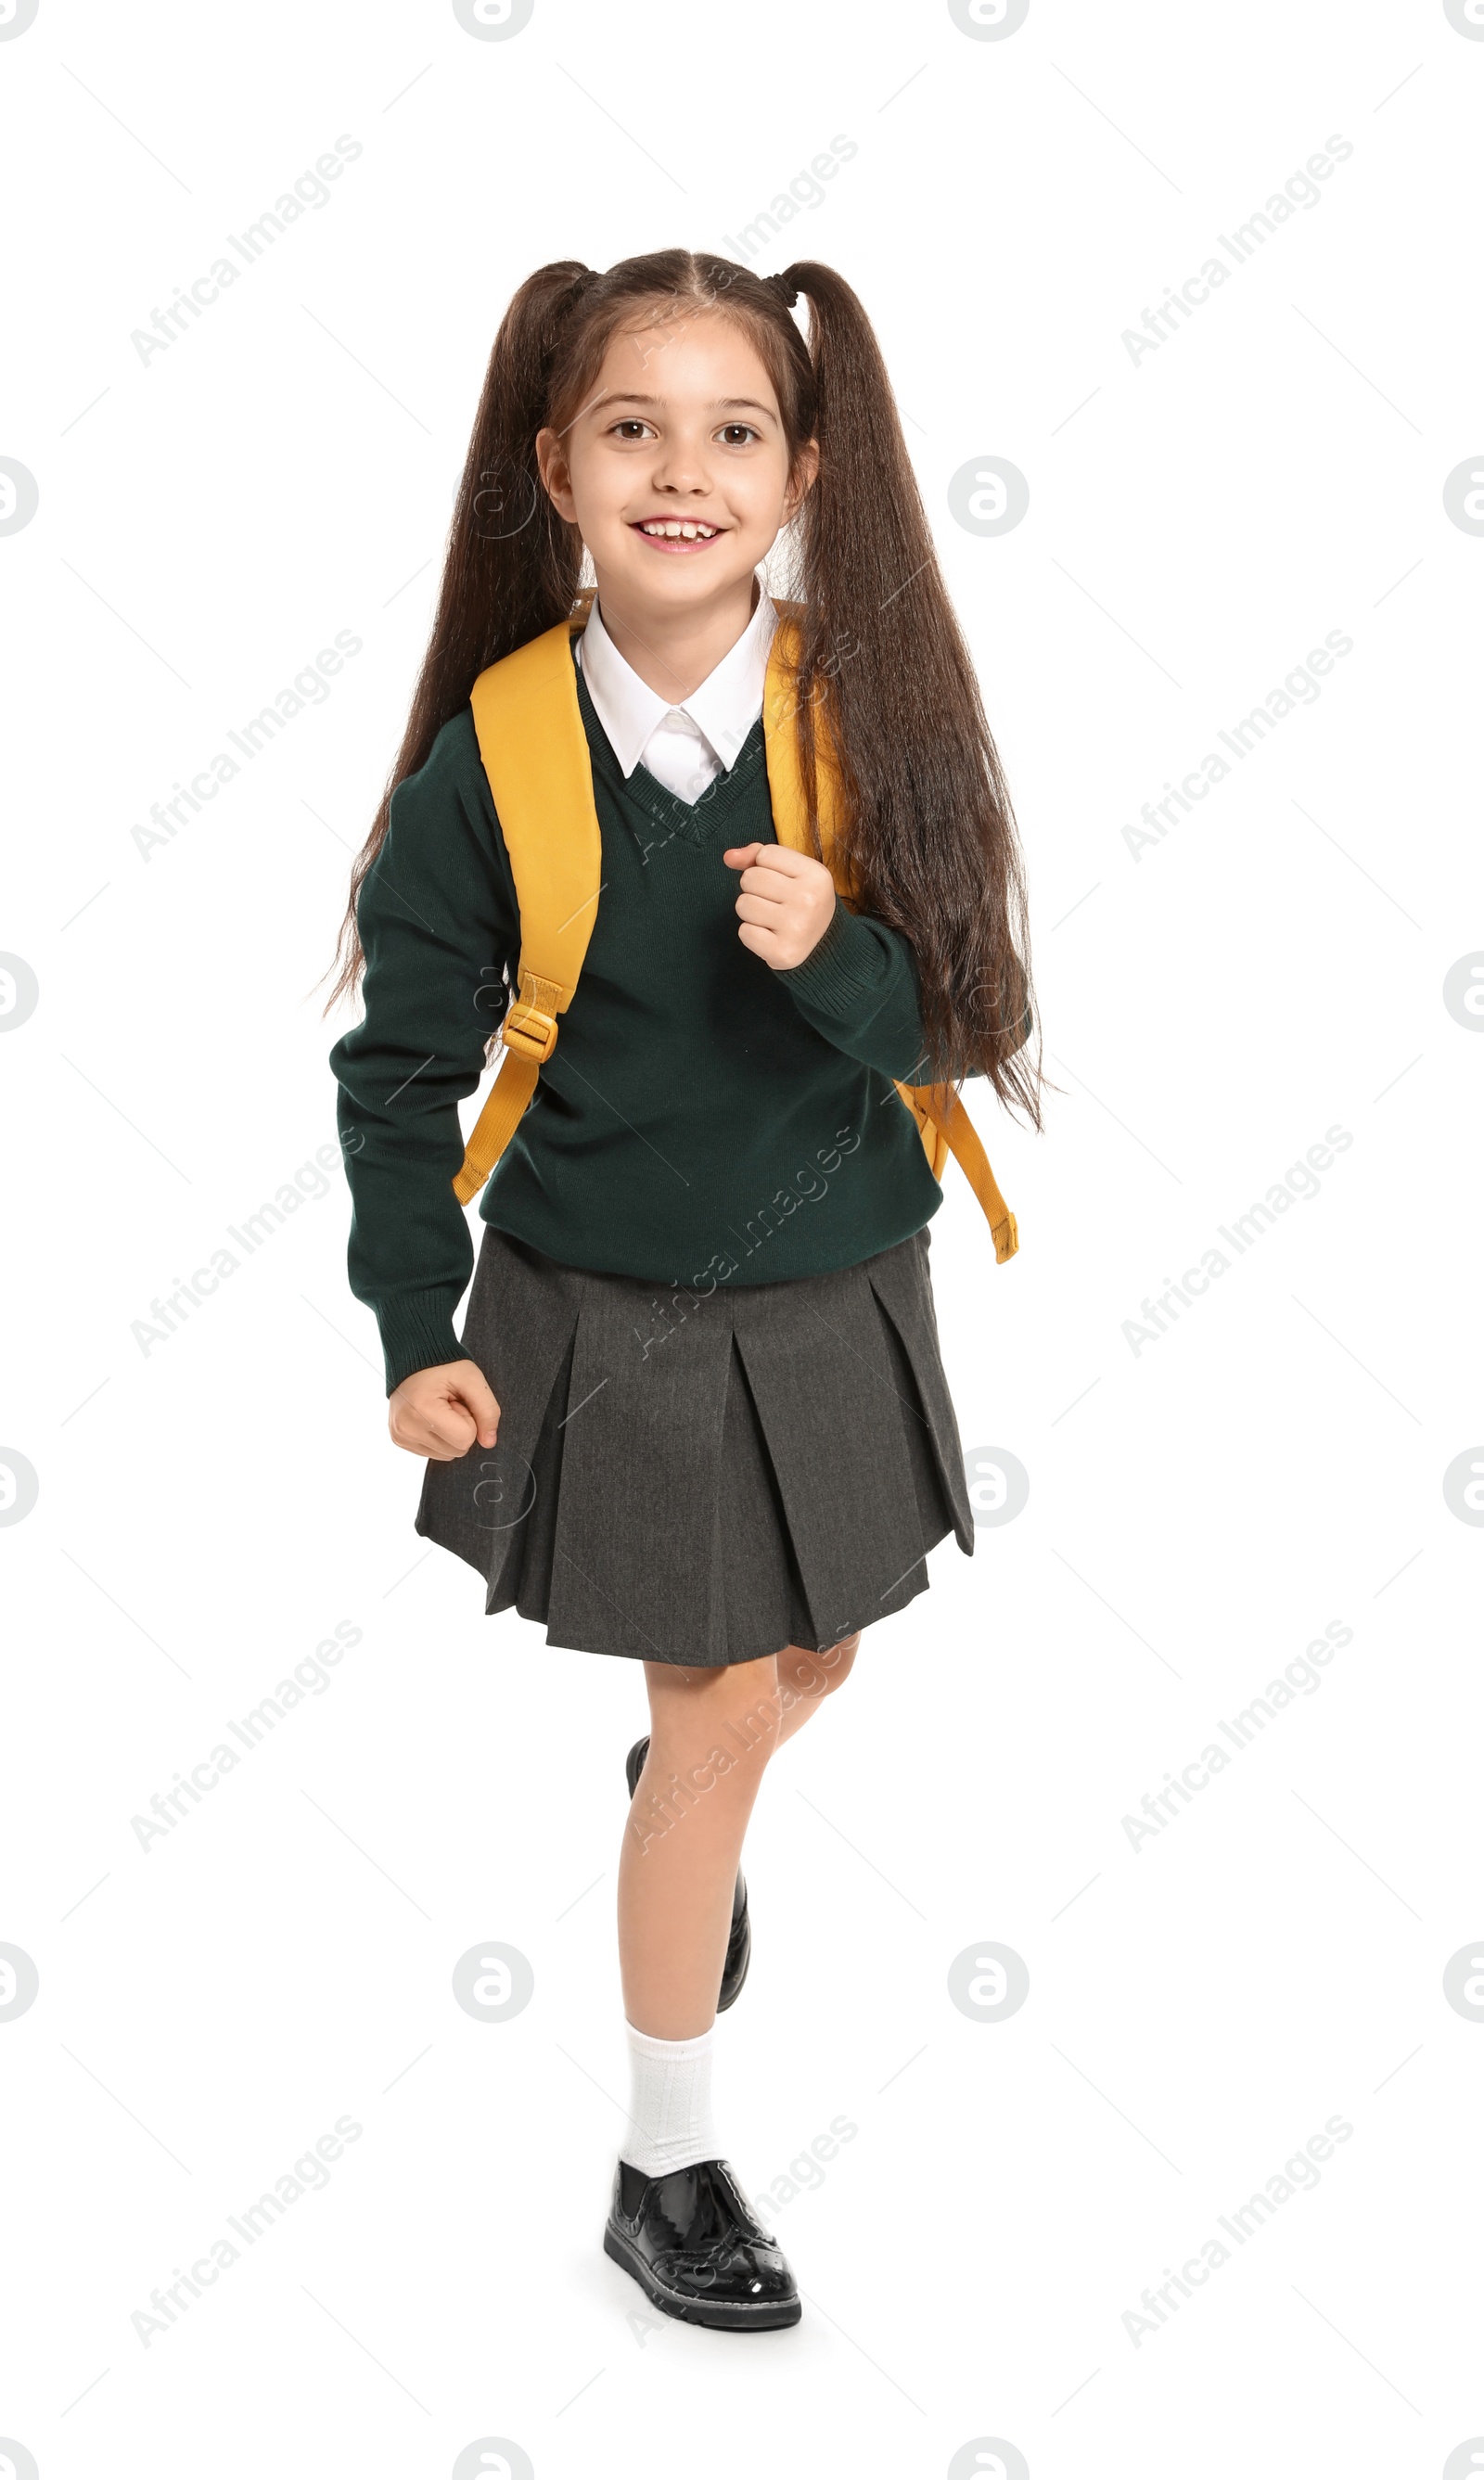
(627,395)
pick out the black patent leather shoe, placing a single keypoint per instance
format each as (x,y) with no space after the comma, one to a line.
(696,2248)
(739,1946)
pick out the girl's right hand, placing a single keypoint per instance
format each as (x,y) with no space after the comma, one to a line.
(440,1413)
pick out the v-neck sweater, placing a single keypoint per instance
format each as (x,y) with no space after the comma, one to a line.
(703,1118)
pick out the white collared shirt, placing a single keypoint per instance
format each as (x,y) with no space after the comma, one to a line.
(684,748)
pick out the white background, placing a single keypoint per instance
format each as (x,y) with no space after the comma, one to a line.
(1199,1510)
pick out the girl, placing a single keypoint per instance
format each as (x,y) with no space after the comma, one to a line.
(698,1416)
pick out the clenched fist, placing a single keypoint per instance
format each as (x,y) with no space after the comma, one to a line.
(787,902)
(440,1413)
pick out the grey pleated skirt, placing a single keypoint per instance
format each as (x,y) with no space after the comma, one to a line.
(704,1479)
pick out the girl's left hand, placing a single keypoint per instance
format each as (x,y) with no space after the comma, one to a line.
(787,902)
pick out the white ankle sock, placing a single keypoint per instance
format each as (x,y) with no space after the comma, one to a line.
(670,2105)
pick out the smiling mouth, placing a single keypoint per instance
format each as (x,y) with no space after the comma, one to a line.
(677,534)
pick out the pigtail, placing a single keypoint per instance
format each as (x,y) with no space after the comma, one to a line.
(929,834)
(513,563)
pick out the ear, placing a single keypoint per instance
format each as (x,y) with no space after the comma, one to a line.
(803,480)
(556,473)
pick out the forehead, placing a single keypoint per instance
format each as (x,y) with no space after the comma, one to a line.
(685,355)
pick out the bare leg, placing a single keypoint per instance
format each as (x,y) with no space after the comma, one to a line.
(809,1678)
(711,1734)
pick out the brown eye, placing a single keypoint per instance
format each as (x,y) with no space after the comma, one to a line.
(744,428)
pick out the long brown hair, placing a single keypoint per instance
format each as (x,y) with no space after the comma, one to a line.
(929,842)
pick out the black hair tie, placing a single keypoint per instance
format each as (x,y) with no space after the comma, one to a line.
(788,294)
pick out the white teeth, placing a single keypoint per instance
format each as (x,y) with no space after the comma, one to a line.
(675,530)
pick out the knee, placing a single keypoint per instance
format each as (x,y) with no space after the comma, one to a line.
(801,1673)
(710,1714)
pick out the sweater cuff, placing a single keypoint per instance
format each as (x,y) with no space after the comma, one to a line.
(841,972)
(417,1332)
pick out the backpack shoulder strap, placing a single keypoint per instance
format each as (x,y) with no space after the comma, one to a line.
(942,1124)
(535,750)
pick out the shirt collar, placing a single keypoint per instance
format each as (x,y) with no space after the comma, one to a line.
(723,710)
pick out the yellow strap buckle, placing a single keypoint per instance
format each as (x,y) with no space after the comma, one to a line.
(529,1032)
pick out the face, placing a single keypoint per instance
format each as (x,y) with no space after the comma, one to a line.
(675,469)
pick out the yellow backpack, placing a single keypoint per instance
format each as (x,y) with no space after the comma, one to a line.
(535,749)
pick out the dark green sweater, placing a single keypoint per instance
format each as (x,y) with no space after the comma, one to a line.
(703,1118)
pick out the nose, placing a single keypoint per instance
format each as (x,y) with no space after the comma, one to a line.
(680,467)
